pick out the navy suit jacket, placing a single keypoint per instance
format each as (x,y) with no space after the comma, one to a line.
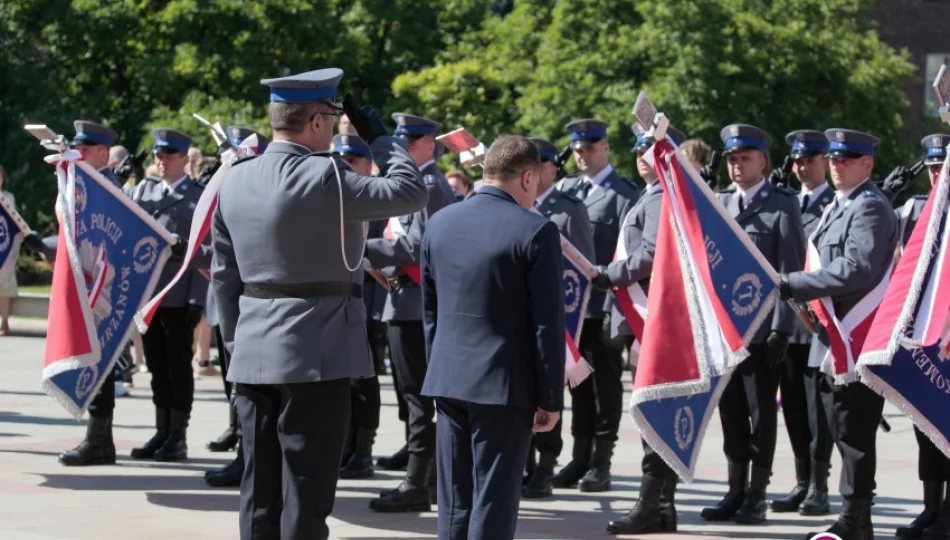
(493,304)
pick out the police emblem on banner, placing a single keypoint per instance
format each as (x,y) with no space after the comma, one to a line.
(746,294)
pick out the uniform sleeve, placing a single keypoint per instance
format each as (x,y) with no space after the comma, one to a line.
(869,248)
(639,262)
(405,250)
(791,258)
(546,293)
(225,279)
(397,191)
(429,300)
(579,232)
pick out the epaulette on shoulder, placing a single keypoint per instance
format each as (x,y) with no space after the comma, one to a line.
(153,179)
(728,189)
(785,191)
(920,196)
(244,159)
(629,183)
(571,198)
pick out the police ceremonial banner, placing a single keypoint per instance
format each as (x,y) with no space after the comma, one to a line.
(711,290)
(577,272)
(905,354)
(12,231)
(115,255)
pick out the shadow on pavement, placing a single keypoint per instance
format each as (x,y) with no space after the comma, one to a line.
(7,417)
(116,482)
(227,501)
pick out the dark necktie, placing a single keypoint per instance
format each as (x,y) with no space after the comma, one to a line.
(741,203)
(805,202)
(585,187)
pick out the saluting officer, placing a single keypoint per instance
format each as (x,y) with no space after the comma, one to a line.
(92,140)
(655,511)
(365,398)
(771,216)
(171,199)
(570,216)
(933,467)
(855,241)
(294,318)
(230,475)
(397,255)
(597,403)
(807,427)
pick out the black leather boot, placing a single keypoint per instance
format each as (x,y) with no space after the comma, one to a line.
(360,464)
(790,502)
(395,462)
(175,447)
(231,474)
(816,500)
(597,478)
(854,522)
(96,448)
(940,528)
(161,433)
(753,508)
(411,495)
(647,516)
(726,509)
(228,440)
(577,467)
(539,484)
(668,501)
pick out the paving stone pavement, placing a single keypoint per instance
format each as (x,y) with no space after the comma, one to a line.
(42,500)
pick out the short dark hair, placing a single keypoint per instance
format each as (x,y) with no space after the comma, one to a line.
(509,156)
(292,117)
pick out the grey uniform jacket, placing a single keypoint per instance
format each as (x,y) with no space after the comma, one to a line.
(810,218)
(639,230)
(607,205)
(175,212)
(374,295)
(50,242)
(278,222)
(773,221)
(570,216)
(404,303)
(907,216)
(856,245)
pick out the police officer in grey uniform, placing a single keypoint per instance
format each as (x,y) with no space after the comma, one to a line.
(397,256)
(933,467)
(230,475)
(294,318)
(597,403)
(655,511)
(171,200)
(806,424)
(92,140)
(570,216)
(771,216)
(365,398)
(855,241)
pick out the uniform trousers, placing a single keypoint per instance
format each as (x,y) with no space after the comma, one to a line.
(804,418)
(167,347)
(481,453)
(597,403)
(365,391)
(653,465)
(932,464)
(104,403)
(293,443)
(749,413)
(854,412)
(408,352)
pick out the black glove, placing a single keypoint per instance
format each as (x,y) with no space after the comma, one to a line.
(897,181)
(369,125)
(179,248)
(601,280)
(129,165)
(207,172)
(33,243)
(778,177)
(784,288)
(776,345)
(710,176)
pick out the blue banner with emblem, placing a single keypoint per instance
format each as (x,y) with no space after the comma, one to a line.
(577,288)
(115,256)
(12,231)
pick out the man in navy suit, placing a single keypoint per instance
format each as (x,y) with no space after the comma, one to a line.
(493,313)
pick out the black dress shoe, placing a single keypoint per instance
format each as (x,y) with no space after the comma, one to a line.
(395,462)
(229,476)
(158,439)
(726,509)
(96,448)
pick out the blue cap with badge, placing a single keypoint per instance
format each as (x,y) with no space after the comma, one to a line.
(644,141)
(586,131)
(936,147)
(546,148)
(169,141)
(411,126)
(310,87)
(806,143)
(90,133)
(237,135)
(346,144)
(848,143)
(744,137)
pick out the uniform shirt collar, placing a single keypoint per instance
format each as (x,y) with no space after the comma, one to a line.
(599,178)
(543,197)
(426,164)
(749,194)
(843,194)
(815,193)
(653,186)
(177,183)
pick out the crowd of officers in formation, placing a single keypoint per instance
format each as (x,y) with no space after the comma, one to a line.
(594,210)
